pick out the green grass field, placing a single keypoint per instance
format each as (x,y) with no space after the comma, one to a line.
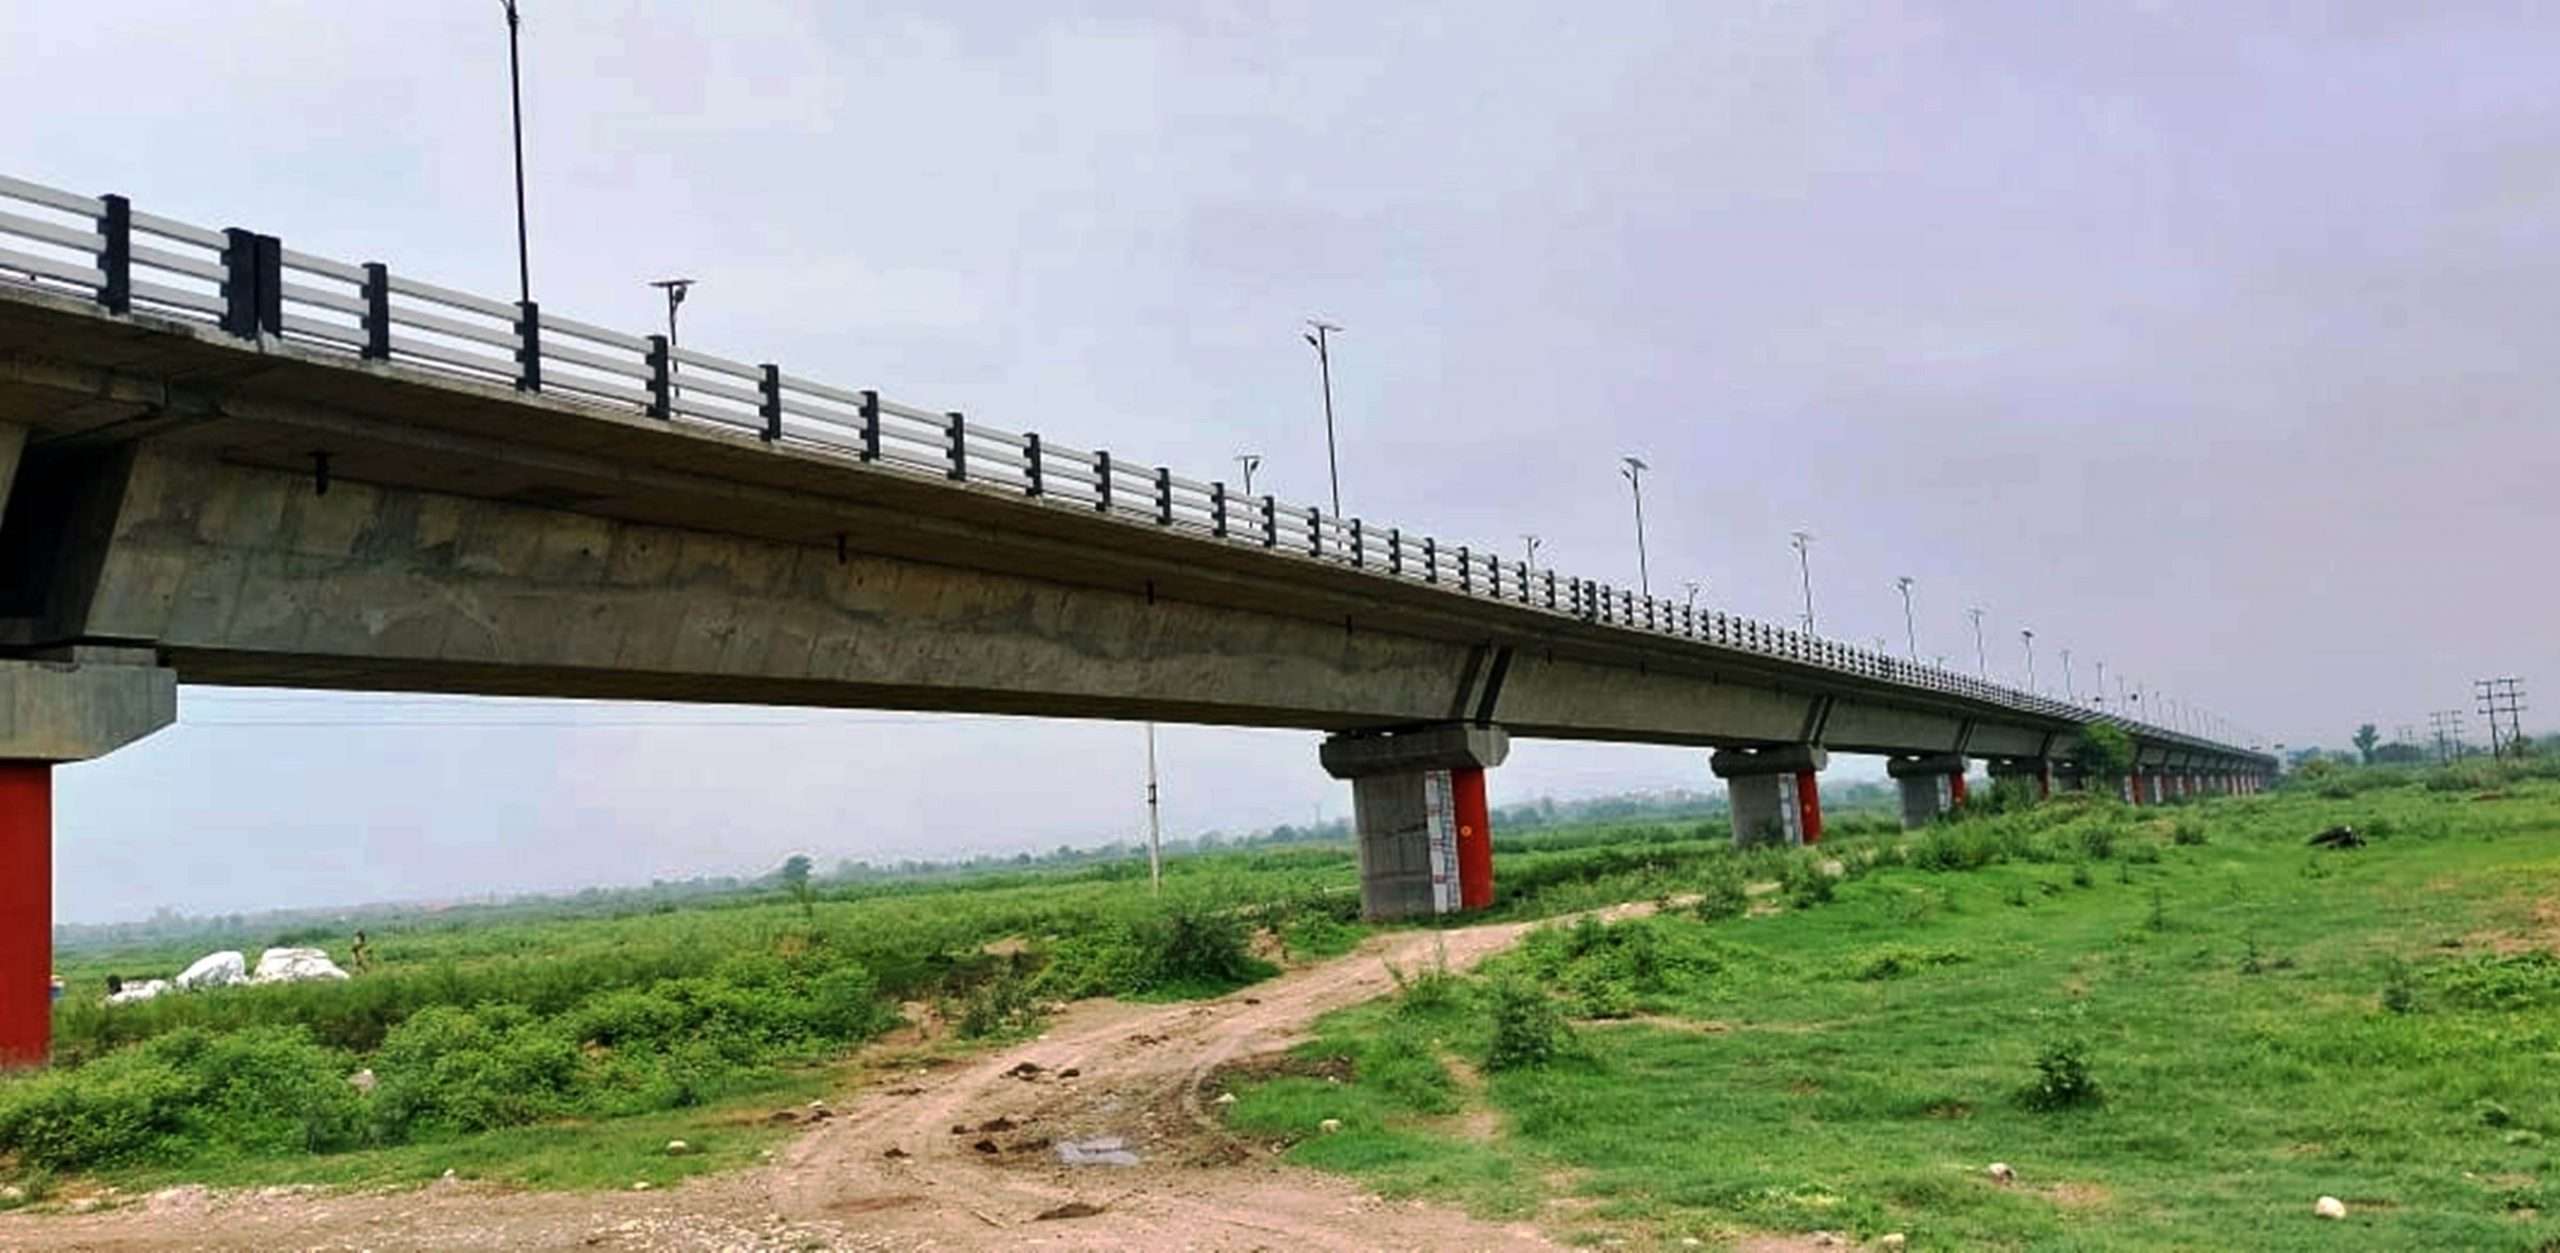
(2230,1025)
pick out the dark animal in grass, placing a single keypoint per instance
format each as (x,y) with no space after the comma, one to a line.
(2341,836)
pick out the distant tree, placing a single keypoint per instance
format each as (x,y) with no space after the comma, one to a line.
(2366,738)
(794,873)
(2399,755)
(2105,752)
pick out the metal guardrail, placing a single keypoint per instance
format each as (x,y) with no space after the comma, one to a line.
(251,286)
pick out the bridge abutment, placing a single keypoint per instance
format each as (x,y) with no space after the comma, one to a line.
(1418,811)
(1774,792)
(1931,784)
(64,706)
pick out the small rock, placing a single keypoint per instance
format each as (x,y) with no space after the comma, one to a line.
(1226,1098)
(1894,1241)
(997,1123)
(2329,1207)
(894,1152)
(1070,1072)
(817,1104)
(85,1205)
(678,1148)
(1072,1209)
(13,1194)
(2000,1173)
(783,1115)
(1329,1126)
(1691,1242)
(1827,1240)
(642,1186)
(986,1146)
(449,1174)
(364,1081)
(1026,1070)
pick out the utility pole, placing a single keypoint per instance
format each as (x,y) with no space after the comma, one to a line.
(1634,472)
(1530,543)
(1322,339)
(1803,541)
(1155,822)
(1251,462)
(1910,634)
(2069,692)
(2102,685)
(515,97)
(1981,658)
(2448,729)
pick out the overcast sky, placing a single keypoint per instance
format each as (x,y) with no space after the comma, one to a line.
(2209,341)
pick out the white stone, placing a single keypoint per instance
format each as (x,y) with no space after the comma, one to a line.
(143,991)
(641,1186)
(1329,1126)
(1893,1241)
(2329,1207)
(214,970)
(678,1148)
(295,965)
(1226,1098)
(2000,1173)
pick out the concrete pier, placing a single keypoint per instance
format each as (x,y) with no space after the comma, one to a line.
(1774,792)
(1931,784)
(1418,807)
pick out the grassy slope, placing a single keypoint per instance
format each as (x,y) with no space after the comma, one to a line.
(1782,1090)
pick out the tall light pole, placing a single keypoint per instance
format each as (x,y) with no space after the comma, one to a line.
(515,96)
(1634,472)
(1529,544)
(675,288)
(1155,823)
(2069,693)
(2030,638)
(2102,685)
(1910,634)
(1691,586)
(1981,658)
(1251,461)
(1322,340)
(1803,542)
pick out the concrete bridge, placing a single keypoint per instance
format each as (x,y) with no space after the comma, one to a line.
(227,462)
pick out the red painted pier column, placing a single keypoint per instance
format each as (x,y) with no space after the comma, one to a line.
(1955,789)
(1475,838)
(1809,806)
(26,913)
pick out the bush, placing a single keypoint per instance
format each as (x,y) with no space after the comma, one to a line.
(449,1069)
(2062,1078)
(1528,1031)
(1807,883)
(257,1090)
(1723,895)
(2098,841)
(2188,831)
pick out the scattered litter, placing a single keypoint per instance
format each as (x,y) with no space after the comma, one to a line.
(2329,1207)
(1072,1209)
(678,1148)
(1225,1098)
(1097,1151)
(364,1081)
(2341,836)
(2000,1173)
(295,965)
(642,1186)
(214,970)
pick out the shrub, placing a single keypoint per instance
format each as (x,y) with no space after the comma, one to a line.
(2188,831)
(1428,991)
(1896,960)
(2062,1078)
(1723,895)
(1528,1031)
(449,1069)
(1808,883)
(2098,841)
(2399,988)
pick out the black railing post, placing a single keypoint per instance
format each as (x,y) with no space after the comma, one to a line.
(957,434)
(1164,496)
(240,283)
(1466,571)
(1031,463)
(1359,557)
(1315,531)
(1102,481)
(1430,560)
(1270,522)
(528,346)
(270,285)
(115,254)
(1551,589)
(870,424)
(1218,508)
(661,382)
(1395,550)
(377,311)
(770,405)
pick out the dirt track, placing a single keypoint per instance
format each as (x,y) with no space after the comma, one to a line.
(889,1173)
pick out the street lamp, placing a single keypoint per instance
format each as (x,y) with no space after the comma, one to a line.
(1251,462)
(675,288)
(1910,635)
(1322,341)
(2069,693)
(1803,540)
(1530,543)
(2030,638)
(515,96)
(1634,472)
(2102,685)
(1691,586)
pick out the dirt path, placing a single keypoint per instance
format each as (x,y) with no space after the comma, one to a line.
(891,1173)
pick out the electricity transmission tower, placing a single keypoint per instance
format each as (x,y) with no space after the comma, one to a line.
(2502,696)
(2448,727)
